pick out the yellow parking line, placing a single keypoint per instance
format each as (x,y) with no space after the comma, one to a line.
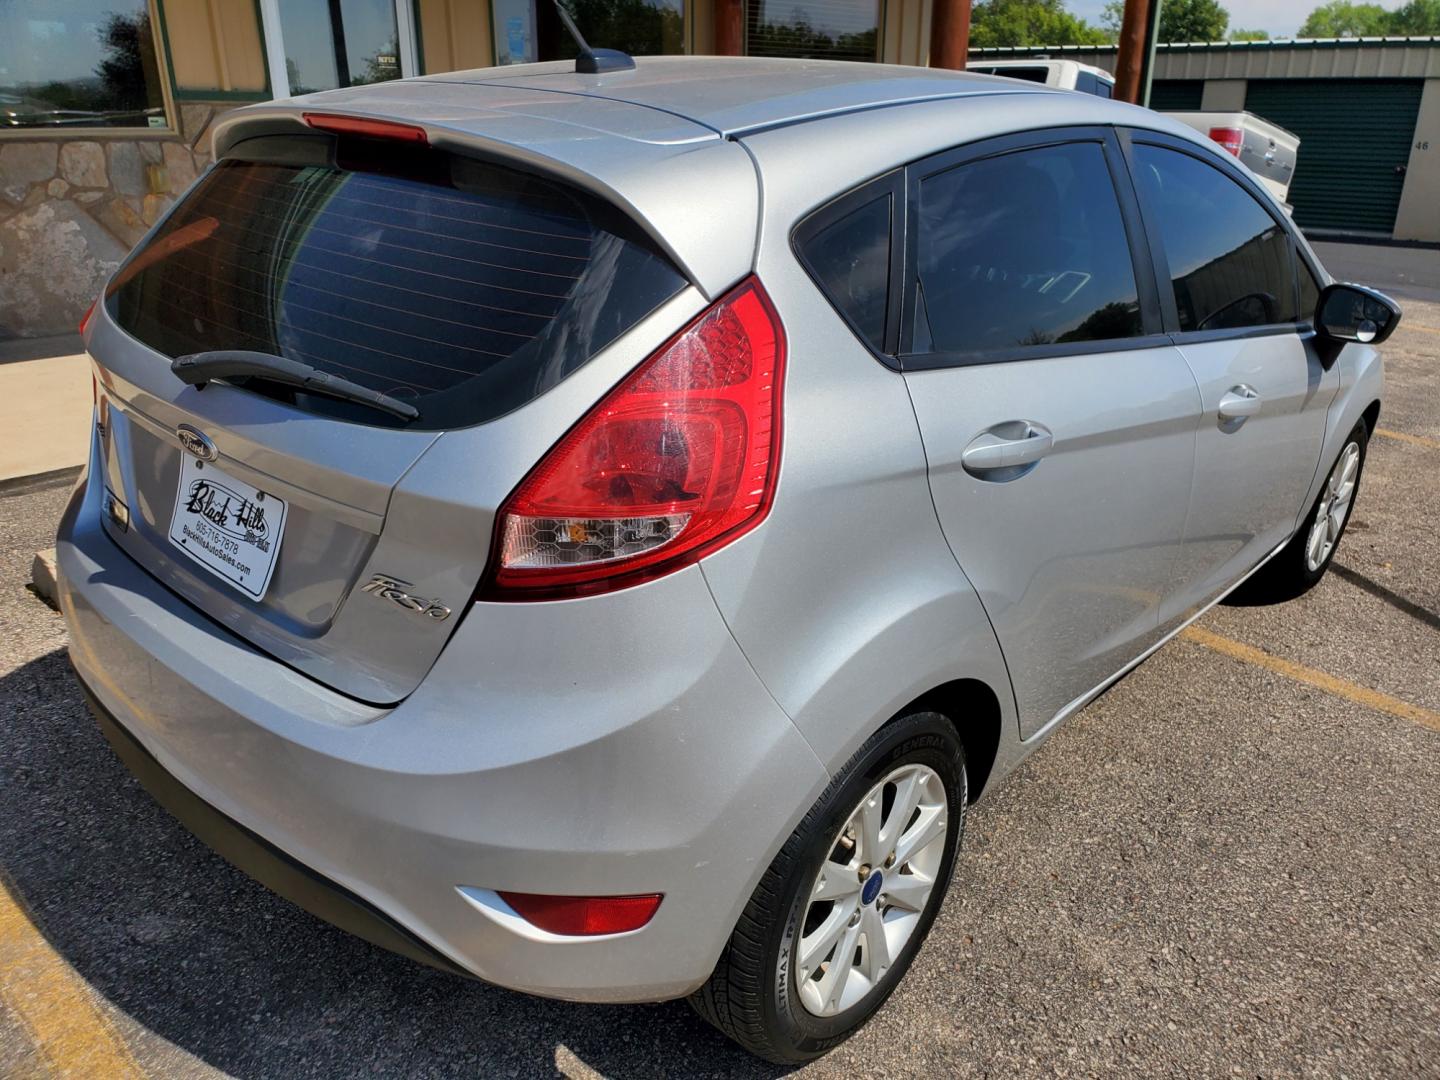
(1361,695)
(1427,329)
(1418,440)
(54,1004)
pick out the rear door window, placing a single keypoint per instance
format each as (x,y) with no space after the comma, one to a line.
(1231,263)
(1023,249)
(463,287)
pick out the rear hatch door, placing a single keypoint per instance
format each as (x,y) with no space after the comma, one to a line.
(341,539)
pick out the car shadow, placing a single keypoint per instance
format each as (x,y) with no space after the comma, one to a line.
(199,954)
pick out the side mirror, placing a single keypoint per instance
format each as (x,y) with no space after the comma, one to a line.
(1354,313)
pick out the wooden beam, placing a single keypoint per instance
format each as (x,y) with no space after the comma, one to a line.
(729,27)
(950,34)
(1134,42)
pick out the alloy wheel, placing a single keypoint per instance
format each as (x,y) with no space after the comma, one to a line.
(1334,508)
(871,890)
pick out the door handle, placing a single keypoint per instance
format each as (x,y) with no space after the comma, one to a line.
(1012,445)
(1238,403)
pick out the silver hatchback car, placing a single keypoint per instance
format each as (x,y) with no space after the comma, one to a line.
(597,533)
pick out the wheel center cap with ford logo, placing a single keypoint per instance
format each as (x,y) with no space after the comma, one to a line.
(872,888)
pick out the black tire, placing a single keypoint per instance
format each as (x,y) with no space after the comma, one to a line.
(751,996)
(1289,575)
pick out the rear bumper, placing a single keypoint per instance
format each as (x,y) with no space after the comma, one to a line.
(618,744)
(259,858)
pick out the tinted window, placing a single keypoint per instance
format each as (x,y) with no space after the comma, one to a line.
(1103,88)
(461,286)
(1230,261)
(1023,249)
(850,259)
(1309,291)
(1028,74)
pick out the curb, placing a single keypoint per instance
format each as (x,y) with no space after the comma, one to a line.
(24,485)
(42,577)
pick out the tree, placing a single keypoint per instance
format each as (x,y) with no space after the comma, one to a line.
(1344,18)
(129,50)
(1249,35)
(1417,18)
(1182,20)
(1193,20)
(1029,22)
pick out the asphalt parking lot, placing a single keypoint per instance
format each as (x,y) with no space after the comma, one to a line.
(1230,864)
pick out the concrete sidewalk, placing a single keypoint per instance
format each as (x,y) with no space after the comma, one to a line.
(45,407)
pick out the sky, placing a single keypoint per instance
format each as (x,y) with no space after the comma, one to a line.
(1281,18)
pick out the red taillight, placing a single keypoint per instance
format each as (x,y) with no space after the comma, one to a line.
(371,129)
(85,319)
(678,460)
(1228,137)
(584,916)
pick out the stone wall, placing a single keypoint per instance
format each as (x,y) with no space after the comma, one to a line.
(70,211)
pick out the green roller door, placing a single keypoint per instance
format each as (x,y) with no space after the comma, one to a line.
(1176,95)
(1355,139)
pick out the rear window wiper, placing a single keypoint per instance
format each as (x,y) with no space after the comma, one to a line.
(199,368)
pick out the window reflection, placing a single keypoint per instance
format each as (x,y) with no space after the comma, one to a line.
(529,30)
(1024,249)
(334,43)
(78,63)
(827,30)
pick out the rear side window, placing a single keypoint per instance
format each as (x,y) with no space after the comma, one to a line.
(461,286)
(1028,74)
(1230,262)
(1023,249)
(850,260)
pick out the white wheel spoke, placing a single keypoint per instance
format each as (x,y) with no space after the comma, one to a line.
(929,827)
(834,882)
(907,794)
(832,983)
(815,946)
(1318,533)
(909,891)
(869,826)
(877,946)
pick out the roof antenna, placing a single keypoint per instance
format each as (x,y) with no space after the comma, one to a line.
(593,61)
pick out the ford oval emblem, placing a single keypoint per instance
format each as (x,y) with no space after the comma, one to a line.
(196,442)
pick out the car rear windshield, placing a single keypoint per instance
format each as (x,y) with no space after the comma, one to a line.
(461,286)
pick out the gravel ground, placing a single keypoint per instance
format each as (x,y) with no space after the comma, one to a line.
(1213,870)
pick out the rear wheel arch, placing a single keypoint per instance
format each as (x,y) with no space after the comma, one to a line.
(973,710)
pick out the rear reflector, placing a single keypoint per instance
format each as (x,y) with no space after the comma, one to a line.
(1230,138)
(366,128)
(677,461)
(584,916)
(85,319)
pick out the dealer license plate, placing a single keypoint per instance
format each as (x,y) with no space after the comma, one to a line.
(227,526)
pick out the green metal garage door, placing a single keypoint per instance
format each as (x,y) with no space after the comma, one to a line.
(1355,139)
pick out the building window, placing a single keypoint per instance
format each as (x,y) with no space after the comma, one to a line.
(833,30)
(326,44)
(529,30)
(79,63)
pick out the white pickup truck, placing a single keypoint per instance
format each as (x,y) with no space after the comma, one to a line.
(1266,149)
